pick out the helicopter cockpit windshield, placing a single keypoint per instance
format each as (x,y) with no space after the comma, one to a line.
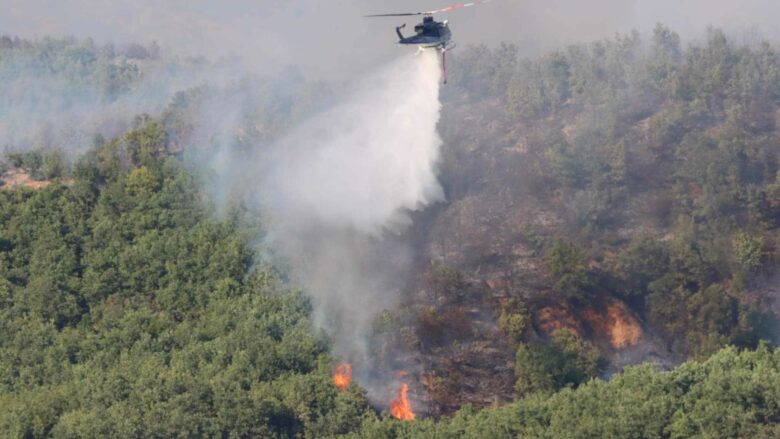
(427,27)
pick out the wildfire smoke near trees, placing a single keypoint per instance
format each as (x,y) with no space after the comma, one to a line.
(594,254)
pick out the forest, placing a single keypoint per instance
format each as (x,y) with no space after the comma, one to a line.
(636,295)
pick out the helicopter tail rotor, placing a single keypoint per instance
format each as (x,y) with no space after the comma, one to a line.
(398,31)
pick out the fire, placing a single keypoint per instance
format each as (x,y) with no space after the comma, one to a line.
(400,407)
(342,376)
(401,374)
(617,323)
(625,330)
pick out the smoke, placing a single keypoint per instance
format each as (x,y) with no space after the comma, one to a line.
(318,35)
(340,187)
(39,108)
(64,93)
(335,191)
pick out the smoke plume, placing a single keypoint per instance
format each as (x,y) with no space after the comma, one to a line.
(61,103)
(340,186)
(318,35)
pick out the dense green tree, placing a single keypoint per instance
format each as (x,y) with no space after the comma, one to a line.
(514,318)
(568,265)
(749,251)
(732,394)
(566,362)
(127,311)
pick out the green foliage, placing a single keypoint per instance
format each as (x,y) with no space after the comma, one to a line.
(79,66)
(683,286)
(536,89)
(568,265)
(567,362)
(616,128)
(40,164)
(749,250)
(146,142)
(444,284)
(127,312)
(732,394)
(642,261)
(29,160)
(514,318)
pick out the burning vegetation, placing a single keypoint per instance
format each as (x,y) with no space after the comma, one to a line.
(342,376)
(616,323)
(400,407)
(625,330)
(558,316)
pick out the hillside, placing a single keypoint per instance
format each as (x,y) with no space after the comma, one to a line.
(609,204)
(128,312)
(625,190)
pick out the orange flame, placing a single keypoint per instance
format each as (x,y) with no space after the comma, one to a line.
(400,407)
(342,376)
(625,331)
(401,374)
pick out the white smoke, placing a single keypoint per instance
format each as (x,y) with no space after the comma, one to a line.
(340,186)
(40,108)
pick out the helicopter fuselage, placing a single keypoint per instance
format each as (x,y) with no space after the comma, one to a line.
(431,34)
(428,34)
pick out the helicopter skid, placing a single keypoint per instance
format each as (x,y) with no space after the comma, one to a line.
(442,49)
(421,49)
(439,47)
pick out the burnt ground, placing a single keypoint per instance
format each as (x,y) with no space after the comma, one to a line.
(483,247)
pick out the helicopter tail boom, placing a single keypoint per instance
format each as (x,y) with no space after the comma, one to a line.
(398,31)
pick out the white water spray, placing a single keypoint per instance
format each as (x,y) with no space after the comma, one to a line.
(341,184)
(366,161)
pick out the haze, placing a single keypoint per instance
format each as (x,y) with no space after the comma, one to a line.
(331,40)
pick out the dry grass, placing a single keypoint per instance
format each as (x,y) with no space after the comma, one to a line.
(16,177)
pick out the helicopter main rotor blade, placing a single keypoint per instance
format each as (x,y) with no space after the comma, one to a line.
(435,11)
(406,14)
(456,7)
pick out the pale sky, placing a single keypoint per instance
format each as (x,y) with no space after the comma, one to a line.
(331,38)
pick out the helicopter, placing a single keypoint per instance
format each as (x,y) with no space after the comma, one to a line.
(430,34)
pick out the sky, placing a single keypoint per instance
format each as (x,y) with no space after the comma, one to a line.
(331,39)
